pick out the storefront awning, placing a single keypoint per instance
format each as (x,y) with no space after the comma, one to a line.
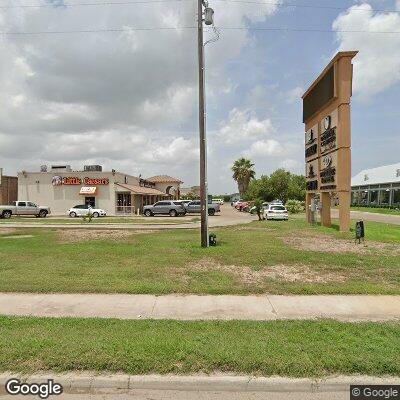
(88,190)
(141,190)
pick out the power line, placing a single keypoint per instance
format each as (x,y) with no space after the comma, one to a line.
(107,3)
(269,29)
(288,5)
(121,3)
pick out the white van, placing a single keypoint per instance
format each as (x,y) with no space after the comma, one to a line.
(218,201)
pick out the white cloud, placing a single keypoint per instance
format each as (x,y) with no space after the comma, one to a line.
(292,165)
(124,99)
(264,148)
(244,125)
(294,95)
(377,66)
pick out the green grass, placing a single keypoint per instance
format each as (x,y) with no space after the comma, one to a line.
(102,220)
(286,348)
(248,259)
(387,211)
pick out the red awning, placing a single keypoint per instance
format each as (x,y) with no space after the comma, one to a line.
(88,190)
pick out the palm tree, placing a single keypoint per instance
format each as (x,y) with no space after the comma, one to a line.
(243,173)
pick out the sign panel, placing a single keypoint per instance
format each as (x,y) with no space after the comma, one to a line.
(326,114)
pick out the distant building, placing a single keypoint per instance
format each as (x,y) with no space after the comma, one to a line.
(235,197)
(117,193)
(192,191)
(8,189)
(377,186)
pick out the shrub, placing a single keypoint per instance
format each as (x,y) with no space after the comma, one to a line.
(294,206)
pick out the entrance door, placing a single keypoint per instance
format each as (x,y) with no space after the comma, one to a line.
(90,201)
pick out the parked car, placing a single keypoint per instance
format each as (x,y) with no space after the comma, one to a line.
(276,211)
(218,201)
(242,205)
(165,207)
(264,207)
(24,208)
(183,202)
(195,207)
(82,210)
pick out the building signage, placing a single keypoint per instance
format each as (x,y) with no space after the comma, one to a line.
(326,114)
(73,180)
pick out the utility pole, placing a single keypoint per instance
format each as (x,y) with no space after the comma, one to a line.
(202,130)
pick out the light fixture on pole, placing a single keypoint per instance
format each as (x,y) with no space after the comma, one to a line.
(208,20)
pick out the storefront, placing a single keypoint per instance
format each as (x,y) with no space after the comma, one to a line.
(377,187)
(117,193)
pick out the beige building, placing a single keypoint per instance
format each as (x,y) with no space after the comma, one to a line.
(117,193)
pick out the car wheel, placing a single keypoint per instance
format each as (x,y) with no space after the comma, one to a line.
(7,214)
(147,213)
(211,212)
(173,213)
(42,214)
(72,214)
(95,215)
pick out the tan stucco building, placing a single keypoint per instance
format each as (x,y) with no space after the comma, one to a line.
(8,189)
(117,193)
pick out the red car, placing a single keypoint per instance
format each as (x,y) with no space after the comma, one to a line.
(242,205)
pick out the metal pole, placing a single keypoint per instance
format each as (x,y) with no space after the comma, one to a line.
(202,130)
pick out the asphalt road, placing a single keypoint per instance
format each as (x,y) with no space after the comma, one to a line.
(191,395)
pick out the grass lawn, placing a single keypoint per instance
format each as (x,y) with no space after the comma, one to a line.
(376,210)
(286,348)
(262,257)
(102,220)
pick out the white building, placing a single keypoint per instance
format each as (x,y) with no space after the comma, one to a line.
(61,188)
(377,186)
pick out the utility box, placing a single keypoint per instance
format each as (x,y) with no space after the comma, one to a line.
(212,239)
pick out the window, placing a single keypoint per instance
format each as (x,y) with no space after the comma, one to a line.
(21,204)
(396,196)
(373,197)
(90,201)
(385,197)
(162,203)
(81,206)
(278,208)
(31,204)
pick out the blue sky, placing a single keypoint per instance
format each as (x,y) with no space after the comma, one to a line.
(128,99)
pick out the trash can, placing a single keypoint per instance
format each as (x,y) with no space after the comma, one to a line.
(212,239)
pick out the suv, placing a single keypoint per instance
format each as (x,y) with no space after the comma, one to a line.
(195,207)
(165,207)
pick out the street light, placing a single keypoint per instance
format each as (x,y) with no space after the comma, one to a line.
(208,20)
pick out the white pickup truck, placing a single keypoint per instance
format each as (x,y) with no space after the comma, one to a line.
(24,208)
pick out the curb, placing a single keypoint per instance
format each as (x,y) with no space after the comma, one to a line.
(94,383)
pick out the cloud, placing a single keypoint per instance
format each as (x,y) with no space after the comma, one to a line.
(264,148)
(377,66)
(243,125)
(292,165)
(294,95)
(127,99)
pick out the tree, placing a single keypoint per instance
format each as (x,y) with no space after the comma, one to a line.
(258,204)
(280,185)
(243,173)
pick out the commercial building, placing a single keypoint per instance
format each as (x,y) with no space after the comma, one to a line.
(377,186)
(117,193)
(192,191)
(8,189)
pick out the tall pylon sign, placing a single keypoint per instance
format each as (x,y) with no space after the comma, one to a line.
(327,119)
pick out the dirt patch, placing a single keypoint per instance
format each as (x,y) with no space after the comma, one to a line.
(288,273)
(82,235)
(329,244)
(7,231)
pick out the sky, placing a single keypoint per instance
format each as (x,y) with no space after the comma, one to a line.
(112,88)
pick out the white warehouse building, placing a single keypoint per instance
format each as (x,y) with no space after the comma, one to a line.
(377,187)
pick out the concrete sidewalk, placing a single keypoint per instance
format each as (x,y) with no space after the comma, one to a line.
(191,307)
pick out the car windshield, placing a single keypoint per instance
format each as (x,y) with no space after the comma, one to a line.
(278,208)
